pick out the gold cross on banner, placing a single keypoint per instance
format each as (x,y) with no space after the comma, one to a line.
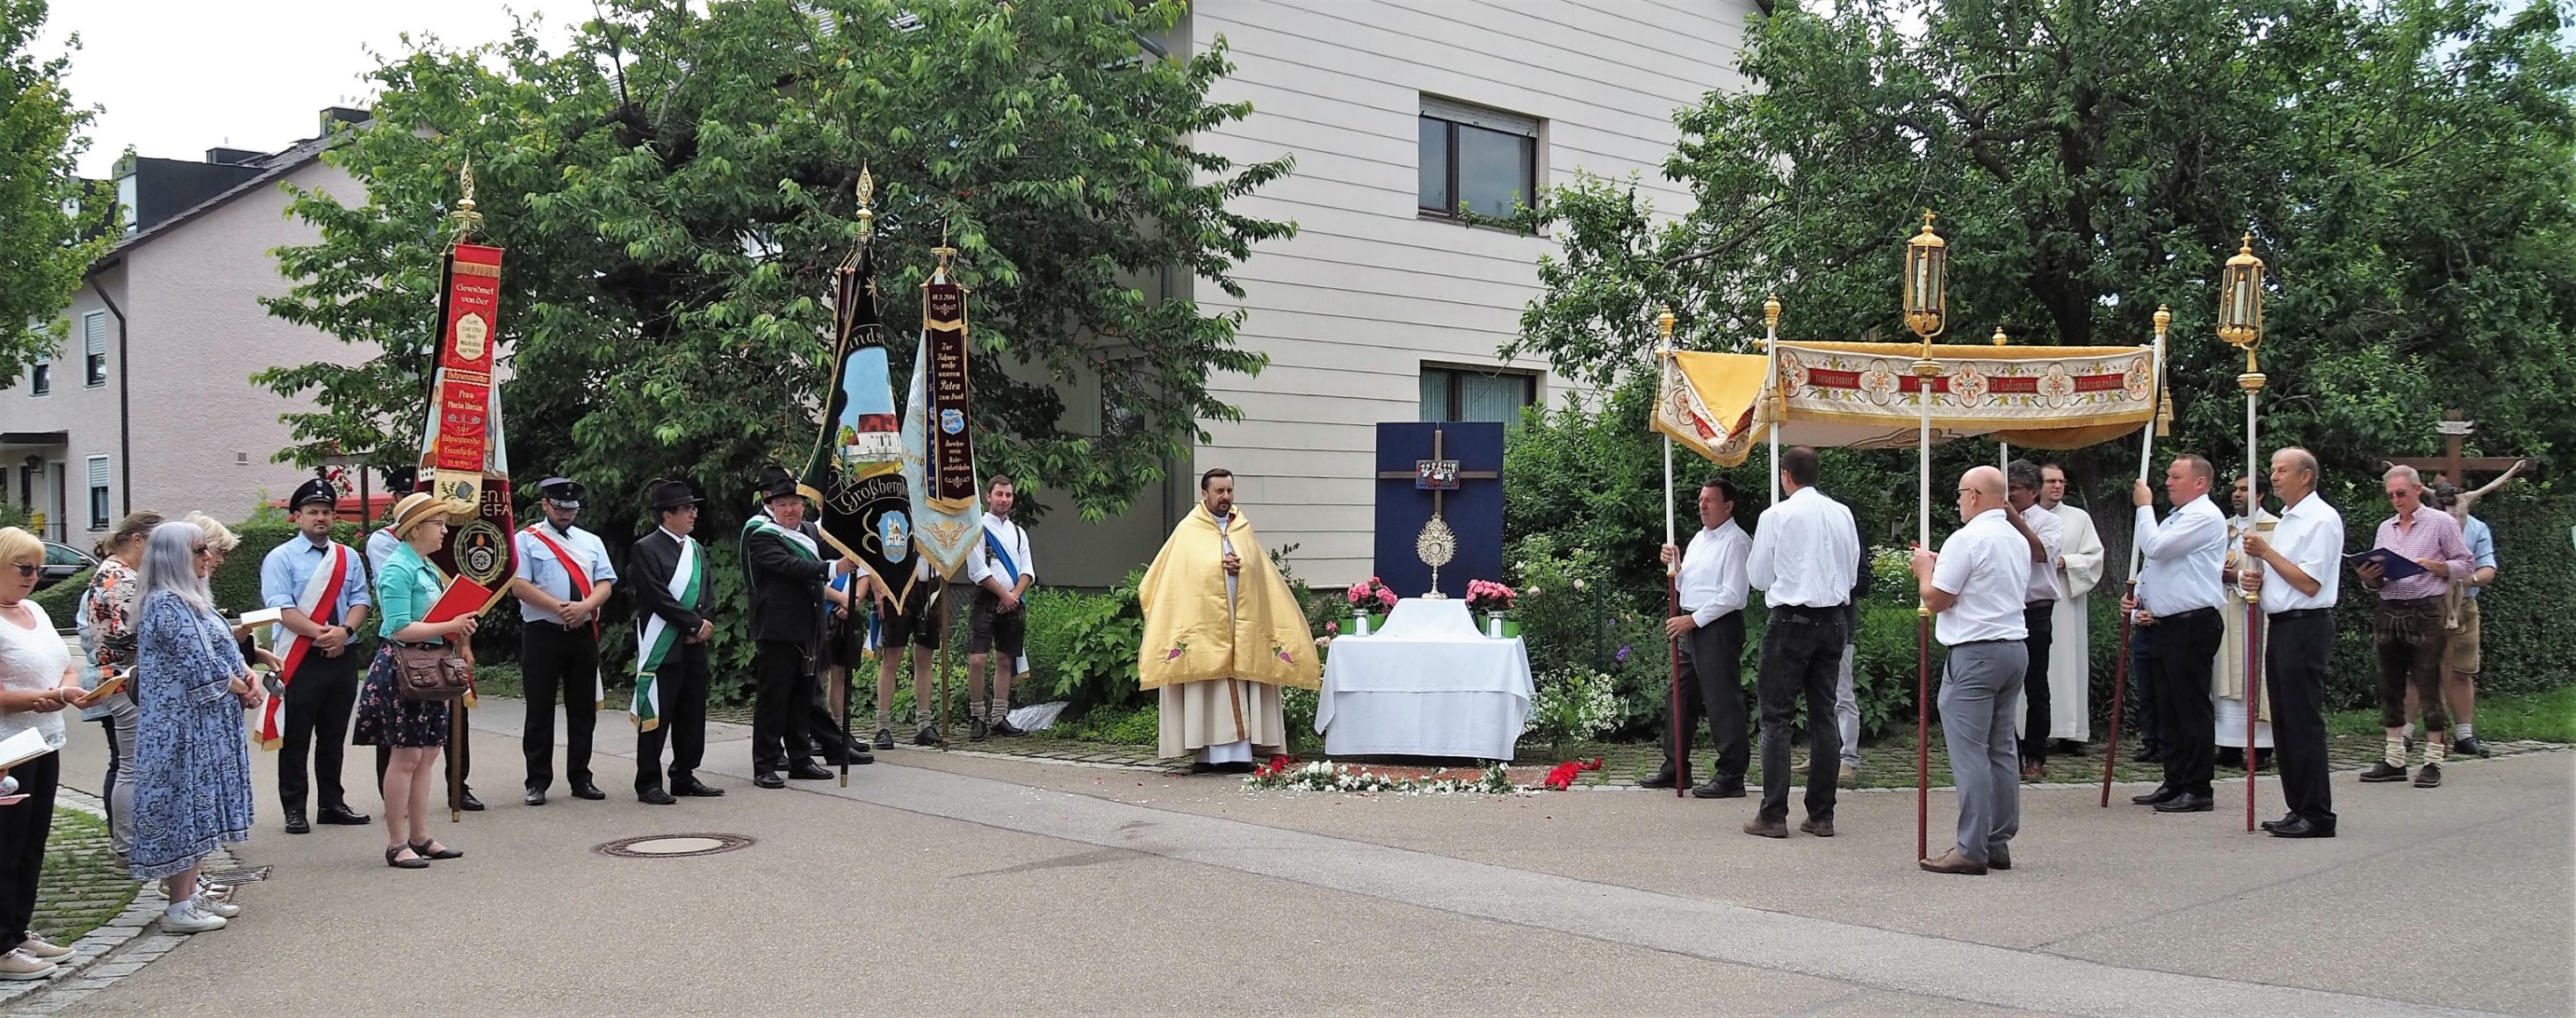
(1439,466)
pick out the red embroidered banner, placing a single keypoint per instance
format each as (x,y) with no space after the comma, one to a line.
(465,353)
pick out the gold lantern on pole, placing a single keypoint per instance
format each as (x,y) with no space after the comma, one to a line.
(2240,325)
(1927,269)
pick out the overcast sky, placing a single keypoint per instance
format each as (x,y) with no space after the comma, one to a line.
(177,77)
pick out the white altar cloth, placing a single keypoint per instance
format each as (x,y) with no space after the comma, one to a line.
(1426,684)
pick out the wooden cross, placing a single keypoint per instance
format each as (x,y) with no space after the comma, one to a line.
(1429,474)
(2452,466)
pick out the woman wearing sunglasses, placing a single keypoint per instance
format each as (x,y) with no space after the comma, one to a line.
(37,679)
(192,768)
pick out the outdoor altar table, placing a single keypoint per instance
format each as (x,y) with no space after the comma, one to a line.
(1426,684)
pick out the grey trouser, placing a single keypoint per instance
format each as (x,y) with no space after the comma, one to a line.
(1846,704)
(119,724)
(1980,697)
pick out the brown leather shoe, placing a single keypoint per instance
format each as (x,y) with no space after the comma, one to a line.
(1952,862)
(1761,828)
(1819,828)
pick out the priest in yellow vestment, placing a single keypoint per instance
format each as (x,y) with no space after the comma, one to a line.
(1223,634)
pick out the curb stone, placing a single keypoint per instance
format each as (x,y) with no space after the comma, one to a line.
(89,969)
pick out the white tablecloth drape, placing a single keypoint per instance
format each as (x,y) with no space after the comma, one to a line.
(1427,684)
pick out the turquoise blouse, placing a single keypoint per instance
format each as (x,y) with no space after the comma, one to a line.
(407,588)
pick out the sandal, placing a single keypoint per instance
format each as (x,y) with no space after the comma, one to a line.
(421,848)
(413,863)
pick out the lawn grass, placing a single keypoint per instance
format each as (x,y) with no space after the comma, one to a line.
(2548,717)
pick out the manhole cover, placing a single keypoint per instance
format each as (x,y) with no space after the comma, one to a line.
(673,846)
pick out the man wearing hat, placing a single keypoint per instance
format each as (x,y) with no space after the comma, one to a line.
(564,577)
(320,587)
(674,597)
(787,580)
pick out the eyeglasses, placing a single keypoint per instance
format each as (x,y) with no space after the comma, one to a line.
(26,569)
(198,549)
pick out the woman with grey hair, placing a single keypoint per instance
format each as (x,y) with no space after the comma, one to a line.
(192,771)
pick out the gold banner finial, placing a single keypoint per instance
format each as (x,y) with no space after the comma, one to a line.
(468,222)
(867,190)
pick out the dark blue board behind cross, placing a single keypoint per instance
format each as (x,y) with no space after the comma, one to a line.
(1473,509)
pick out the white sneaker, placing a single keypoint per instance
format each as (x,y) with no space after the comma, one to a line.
(218,909)
(190,921)
(36,947)
(21,965)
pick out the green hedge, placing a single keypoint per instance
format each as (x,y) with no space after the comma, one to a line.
(62,599)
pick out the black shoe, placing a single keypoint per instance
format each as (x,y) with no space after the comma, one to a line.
(2147,754)
(2187,804)
(2060,747)
(1720,788)
(1662,779)
(2162,795)
(2270,824)
(2468,745)
(471,804)
(535,797)
(805,770)
(766,779)
(2429,777)
(655,797)
(586,790)
(928,736)
(861,758)
(884,739)
(342,816)
(2384,771)
(692,787)
(1002,726)
(2299,827)
(975,730)
(295,823)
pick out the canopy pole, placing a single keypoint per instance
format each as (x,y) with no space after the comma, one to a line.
(2146,458)
(1924,372)
(2252,382)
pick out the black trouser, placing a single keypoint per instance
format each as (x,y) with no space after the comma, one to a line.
(115,753)
(2185,652)
(2151,728)
(552,657)
(781,709)
(1802,652)
(23,830)
(1712,658)
(682,683)
(318,703)
(2296,652)
(2040,617)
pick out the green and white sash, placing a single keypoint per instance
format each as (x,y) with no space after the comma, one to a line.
(654,640)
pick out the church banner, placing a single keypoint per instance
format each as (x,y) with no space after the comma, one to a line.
(463,457)
(1861,395)
(938,441)
(856,474)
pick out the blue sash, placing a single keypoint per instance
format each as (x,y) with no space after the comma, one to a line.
(994,552)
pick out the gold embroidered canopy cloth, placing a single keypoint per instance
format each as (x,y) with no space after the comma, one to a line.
(1862,395)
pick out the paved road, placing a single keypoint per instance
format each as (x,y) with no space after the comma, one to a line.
(959,884)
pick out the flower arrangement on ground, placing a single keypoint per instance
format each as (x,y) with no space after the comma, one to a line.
(1325,776)
(1563,775)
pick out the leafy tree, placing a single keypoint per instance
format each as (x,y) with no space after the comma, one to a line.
(50,245)
(676,187)
(2405,168)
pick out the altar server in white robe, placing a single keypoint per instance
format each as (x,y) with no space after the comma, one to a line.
(2070,657)
(2227,685)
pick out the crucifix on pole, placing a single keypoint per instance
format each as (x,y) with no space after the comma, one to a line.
(2451,465)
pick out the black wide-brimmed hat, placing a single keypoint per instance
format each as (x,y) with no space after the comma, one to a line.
(563,492)
(665,496)
(402,479)
(315,490)
(776,482)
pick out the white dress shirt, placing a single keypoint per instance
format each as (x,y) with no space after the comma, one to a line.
(2184,556)
(1806,552)
(1011,537)
(2310,535)
(1711,582)
(2052,542)
(1987,566)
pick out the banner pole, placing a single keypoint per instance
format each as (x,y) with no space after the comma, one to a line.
(1924,371)
(2253,385)
(2137,555)
(1674,736)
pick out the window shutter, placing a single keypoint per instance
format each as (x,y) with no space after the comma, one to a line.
(1458,112)
(98,471)
(94,333)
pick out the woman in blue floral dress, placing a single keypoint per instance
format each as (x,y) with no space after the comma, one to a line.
(192,788)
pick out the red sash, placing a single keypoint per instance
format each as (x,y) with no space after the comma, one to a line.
(312,601)
(571,568)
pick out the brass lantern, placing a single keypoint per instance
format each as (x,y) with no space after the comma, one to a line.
(1927,267)
(2240,302)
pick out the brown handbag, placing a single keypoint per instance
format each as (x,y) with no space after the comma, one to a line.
(430,672)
